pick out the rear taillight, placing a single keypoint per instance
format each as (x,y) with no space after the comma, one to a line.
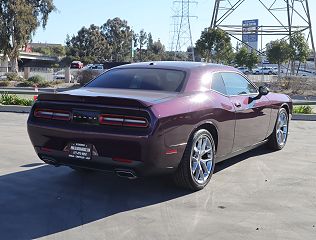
(52,114)
(121,120)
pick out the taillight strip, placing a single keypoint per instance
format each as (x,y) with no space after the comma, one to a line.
(121,120)
(43,113)
(52,114)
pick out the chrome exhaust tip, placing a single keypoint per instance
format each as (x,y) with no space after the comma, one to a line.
(129,174)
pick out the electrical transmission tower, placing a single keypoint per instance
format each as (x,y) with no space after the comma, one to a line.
(181,33)
(289,16)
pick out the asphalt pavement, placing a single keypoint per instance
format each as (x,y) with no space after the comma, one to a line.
(258,195)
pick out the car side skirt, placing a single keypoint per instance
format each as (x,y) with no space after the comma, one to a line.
(238,152)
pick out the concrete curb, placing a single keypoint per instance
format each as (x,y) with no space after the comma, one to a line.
(15,109)
(304,117)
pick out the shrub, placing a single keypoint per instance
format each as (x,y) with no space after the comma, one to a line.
(12,99)
(36,79)
(4,83)
(43,84)
(85,76)
(14,77)
(25,84)
(303,110)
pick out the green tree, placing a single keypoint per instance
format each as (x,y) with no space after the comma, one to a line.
(56,51)
(252,60)
(214,45)
(150,42)
(140,40)
(278,52)
(119,36)
(300,49)
(19,20)
(245,58)
(88,46)
(158,48)
(242,56)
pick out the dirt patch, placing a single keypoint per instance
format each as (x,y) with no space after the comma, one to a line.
(304,86)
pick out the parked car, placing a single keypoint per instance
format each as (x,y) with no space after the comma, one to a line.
(143,119)
(94,67)
(265,70)
(244,70)
(3,77)
(76,65)
(60,75)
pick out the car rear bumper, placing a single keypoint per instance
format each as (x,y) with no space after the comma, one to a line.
(144,155)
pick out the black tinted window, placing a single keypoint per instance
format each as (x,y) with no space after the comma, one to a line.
(141,79)
(218,83)
(236,84)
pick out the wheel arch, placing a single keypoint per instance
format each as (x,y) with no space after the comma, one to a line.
(211,127)
(286,107)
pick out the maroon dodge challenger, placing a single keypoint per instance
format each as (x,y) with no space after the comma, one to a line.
(142,119)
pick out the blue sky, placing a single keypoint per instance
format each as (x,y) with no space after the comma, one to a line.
(151,15)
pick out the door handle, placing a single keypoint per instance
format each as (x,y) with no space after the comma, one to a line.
(238,104)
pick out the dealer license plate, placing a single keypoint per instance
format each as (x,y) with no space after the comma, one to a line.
(80,151)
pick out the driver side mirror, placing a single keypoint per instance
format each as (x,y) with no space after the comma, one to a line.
(263,90)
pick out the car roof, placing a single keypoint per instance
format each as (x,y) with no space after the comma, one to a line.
(179,65)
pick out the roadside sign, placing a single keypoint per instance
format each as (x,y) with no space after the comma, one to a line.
(250,32)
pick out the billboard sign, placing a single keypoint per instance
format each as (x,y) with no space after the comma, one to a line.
(250,32)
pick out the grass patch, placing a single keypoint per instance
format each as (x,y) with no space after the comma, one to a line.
(12,99)
(303,110)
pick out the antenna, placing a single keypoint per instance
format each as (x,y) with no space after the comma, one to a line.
(181,33)
(289,15)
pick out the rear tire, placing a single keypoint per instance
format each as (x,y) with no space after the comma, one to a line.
(197,165)
(278,138)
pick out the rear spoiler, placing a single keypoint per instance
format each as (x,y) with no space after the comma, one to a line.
(98,100)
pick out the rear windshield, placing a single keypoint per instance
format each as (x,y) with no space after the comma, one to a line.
(141,79)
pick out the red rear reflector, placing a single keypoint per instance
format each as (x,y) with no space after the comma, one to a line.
(122,160)
(52,114)
(44,149)
(171,151)
(121,120)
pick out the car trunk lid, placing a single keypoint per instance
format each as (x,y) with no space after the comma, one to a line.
(115,97)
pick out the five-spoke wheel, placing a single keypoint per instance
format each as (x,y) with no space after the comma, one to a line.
(278,138)
(197,165)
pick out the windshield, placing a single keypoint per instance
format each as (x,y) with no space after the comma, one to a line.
(140,79)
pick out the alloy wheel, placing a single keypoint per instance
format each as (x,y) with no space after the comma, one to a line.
(282,128)
(201,159)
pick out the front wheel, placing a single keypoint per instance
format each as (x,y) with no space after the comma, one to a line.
(197,165)
(278,138)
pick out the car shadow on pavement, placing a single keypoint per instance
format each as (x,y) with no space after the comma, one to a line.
(262,150)
(47,200)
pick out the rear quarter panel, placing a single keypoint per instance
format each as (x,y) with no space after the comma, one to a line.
(277,101)
(181,116)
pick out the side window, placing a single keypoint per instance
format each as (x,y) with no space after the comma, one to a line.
(218,83)
(237,85)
